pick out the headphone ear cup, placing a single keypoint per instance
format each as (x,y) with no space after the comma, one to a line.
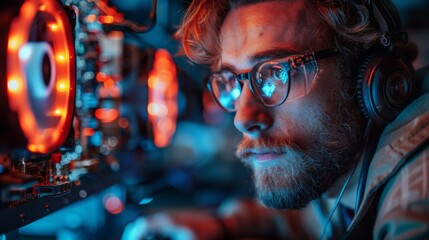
(385,87)
(360,81)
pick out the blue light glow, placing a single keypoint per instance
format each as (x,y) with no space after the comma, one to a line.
(268,89)
(235,93)
(24,52)
(145,201)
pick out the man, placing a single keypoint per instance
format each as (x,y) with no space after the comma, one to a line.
(292,73)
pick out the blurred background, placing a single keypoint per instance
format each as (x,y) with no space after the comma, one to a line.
(103,121)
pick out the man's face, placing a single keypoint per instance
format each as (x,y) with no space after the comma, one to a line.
(299,149)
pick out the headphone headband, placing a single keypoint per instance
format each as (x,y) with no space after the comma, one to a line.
(388,21)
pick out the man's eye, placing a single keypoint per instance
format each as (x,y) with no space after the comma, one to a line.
(281,74)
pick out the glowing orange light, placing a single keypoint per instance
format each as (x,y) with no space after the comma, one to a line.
(91,18)
(162,106)
(42,7)
(13,85)
(61,58)
(54,27)
(28,10)
(14,43)
(32,147)
(88,131)
(152,81)
(62,86)
(101,76)
(109,83)
(106,115)
(106,19)
(58,112)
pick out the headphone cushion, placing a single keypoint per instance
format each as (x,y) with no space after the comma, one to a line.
(359,85)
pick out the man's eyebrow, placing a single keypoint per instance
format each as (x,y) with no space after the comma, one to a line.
(274,53)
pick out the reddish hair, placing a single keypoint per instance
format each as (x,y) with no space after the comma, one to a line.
(348,26)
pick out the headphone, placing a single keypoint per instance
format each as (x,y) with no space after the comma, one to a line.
(385,80)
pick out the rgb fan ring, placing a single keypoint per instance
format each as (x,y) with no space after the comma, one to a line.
(41,73)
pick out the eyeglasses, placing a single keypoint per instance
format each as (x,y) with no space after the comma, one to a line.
(271,81)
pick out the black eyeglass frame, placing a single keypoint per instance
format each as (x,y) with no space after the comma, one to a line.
(298,59)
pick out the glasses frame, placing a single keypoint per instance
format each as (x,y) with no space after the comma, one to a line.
(294,60)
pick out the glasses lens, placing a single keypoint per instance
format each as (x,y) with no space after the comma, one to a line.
(271,82)
(225,88)
(302,79)
(275,82)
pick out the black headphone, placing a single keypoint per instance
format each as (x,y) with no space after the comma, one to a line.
(385,81)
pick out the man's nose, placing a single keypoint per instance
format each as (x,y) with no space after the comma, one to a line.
(252,117)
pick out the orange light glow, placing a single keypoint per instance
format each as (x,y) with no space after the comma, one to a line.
(61,57)
(88,131)
(106,115)
(32,148)
(54,27)
(58,112)
(101,76)
(42,7)
(163,89)
(91,18)
(106,19)
(14,43)
(36,148)
(109,83)
(62,86)
(151,82)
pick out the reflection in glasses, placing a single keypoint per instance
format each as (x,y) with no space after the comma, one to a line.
(269,81)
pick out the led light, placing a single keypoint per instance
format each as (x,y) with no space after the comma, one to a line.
(24,53)
(61,58)
(58,112)
(54,27)
(14,43)
(62,86)
(13,85)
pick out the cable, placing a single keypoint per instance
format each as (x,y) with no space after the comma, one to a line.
(371,138)
(362,177)
(337,202)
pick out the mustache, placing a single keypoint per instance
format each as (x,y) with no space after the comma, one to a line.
(271,144)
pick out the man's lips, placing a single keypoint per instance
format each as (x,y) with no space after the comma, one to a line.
(264,157)
(260,156)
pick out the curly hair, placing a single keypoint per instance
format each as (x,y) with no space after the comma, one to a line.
(348,25)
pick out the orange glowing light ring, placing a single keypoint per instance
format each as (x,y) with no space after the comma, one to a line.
(162,105)
(45,112)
